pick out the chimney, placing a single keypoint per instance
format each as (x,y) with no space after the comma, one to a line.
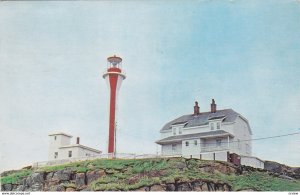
(213,106)
(77,140)
(196,109)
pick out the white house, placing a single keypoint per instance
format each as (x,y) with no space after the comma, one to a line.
(210,135)
(60,147)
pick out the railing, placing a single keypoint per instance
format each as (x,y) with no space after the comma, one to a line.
(211,148)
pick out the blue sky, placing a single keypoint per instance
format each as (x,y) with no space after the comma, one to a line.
(245,54)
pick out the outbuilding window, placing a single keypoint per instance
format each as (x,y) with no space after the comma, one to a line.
(55,154)
(70,154)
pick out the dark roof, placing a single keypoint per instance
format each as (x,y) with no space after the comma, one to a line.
(202,119)
(179,138)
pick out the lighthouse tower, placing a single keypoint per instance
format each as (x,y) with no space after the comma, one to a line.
(114,76)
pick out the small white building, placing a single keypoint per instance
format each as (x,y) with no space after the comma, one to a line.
(60,147)
(209,135)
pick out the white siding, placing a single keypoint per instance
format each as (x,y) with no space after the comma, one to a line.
(165,134)
(229,127)
(221,156)
(252,161)
(211,144)
(166,149)
(64,152)
(192,130)
(61,140)
(82,152)
(242,133)
(191,149)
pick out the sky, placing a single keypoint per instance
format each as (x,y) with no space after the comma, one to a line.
(244,54)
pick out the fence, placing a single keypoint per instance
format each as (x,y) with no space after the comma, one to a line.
(93,157)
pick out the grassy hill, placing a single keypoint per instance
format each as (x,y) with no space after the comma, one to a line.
(170,174)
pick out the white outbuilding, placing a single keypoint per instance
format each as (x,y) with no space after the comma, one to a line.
(60,147)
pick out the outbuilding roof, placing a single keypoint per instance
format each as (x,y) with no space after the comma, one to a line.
(81,146)
(179,138)
(203,118)
(60,133)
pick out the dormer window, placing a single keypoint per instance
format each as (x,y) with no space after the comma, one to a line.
(212,126)
(218,125)
(180,130)
(174,131)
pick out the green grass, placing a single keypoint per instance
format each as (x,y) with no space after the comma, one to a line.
(124,174)
(15,177)
(146,166)
(262,182)
(116,185)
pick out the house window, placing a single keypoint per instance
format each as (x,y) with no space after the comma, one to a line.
(212,126)
(195,142)
(180,130)
(174,148)
(174,131)
(218,125)
(239,144)
(70,153)
(247,148)
(55,154)
(54,137)
(219,141)
(186,143)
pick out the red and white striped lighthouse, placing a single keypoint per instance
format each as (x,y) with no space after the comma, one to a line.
(114,76)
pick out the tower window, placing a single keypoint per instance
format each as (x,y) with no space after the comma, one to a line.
(70,153)
(55,154)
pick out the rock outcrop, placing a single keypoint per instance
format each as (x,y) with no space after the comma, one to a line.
(282,170)
(153,175)
(66,180)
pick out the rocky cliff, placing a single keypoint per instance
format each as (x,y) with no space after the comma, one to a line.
(173,174)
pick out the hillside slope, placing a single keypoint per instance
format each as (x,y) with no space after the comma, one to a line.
(170,174)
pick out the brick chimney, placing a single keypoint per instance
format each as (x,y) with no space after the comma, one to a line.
(196,109)
(213,106)
(77,140)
